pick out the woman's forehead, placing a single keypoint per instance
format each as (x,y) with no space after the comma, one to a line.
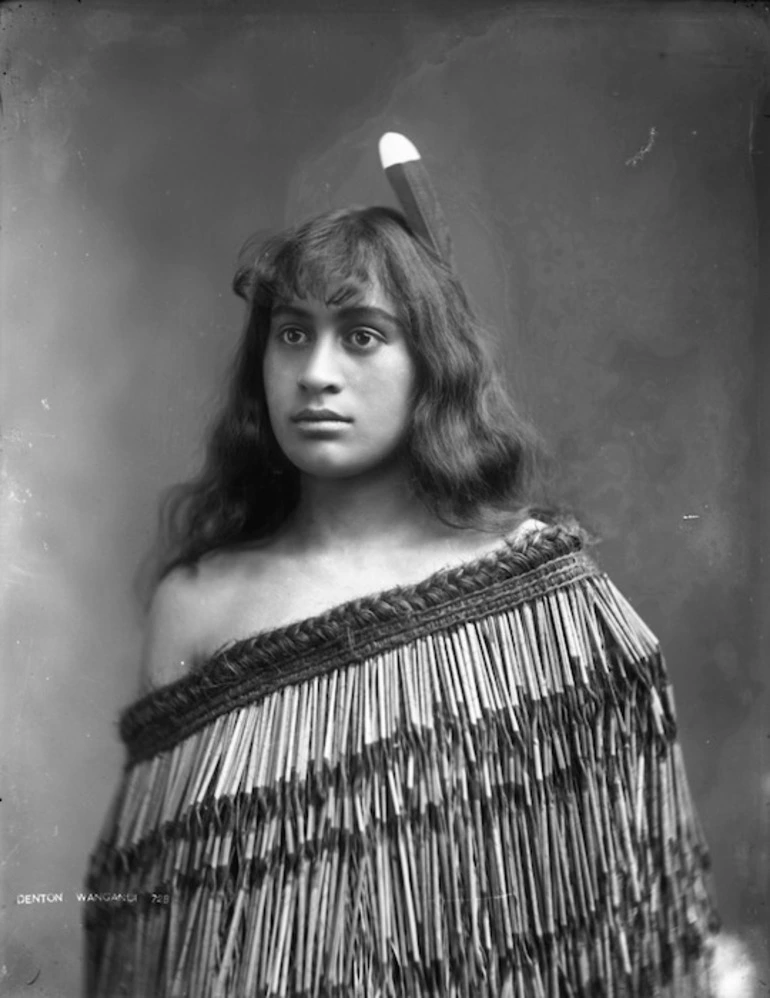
(343,294)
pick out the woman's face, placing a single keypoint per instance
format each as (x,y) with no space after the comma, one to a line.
(338,383)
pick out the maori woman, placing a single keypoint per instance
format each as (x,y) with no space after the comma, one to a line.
(399,735)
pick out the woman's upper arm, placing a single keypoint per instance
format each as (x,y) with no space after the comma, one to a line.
(169,641)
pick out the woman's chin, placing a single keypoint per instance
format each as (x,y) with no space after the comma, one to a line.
(337,467)
(327,459)
(329,467)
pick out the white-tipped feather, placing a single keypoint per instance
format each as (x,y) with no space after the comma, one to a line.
(396,148)
(406,173)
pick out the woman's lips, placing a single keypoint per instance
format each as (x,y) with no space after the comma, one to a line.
(319,416)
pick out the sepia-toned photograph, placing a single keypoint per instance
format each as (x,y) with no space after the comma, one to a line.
(385,499)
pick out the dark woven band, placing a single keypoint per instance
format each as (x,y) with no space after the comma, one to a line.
(247,670)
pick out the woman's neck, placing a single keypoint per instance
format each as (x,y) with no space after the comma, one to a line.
(349,514)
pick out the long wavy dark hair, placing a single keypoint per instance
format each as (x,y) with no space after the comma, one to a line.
(471,458)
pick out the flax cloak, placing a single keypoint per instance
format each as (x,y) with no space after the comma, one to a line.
(467,787)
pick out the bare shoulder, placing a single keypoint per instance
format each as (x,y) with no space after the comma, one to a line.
(170,633)
(197,609)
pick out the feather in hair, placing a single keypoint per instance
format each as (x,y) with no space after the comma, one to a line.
(412,186)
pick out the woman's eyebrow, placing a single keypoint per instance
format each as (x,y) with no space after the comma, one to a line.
(367,312)
(291,310)
(360,312)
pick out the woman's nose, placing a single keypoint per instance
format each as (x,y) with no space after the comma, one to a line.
(321,371)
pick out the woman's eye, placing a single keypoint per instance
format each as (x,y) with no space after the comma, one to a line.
(291,335)
(363,339)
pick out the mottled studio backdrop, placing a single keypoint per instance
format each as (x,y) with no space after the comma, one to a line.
(604,170)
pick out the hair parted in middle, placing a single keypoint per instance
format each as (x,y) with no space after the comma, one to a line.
(470,457)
